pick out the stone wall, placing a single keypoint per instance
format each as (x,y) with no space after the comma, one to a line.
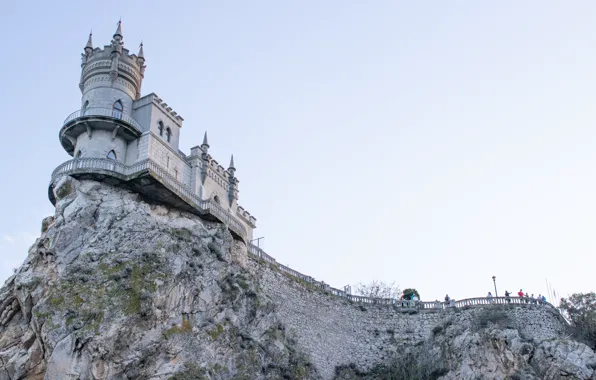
(335,331)
(100,144)
(169,159)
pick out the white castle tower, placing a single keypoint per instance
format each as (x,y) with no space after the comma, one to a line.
(116,135)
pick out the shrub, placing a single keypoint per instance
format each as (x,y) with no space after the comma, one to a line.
(580,309)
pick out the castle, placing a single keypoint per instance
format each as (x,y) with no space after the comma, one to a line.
(130,140)
(122,138)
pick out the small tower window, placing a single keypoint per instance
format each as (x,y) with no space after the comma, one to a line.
(78,154)
(216,199)
(160,128)
(117,109)
(85,106)
(112,155)
(168,134)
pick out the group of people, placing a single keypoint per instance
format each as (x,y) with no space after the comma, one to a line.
(527,298)
(540,300)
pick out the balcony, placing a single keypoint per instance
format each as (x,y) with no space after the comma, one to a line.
(148,178)
(95,118)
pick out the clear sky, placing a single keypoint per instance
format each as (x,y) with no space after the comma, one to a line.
(434,144)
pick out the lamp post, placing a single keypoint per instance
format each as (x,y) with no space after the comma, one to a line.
(495,282)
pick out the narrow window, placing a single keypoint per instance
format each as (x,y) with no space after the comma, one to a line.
(117,109)
(112,155)
(168,134)
(160,128)
(85,106)
(216,199)
(78,154)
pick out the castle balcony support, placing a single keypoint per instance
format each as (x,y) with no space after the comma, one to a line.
(85,121)
(147,177)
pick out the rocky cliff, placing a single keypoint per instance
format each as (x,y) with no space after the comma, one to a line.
(117,287)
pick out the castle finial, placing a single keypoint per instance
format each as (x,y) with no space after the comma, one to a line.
(89,41)
(205,142)
(141,54)
(119,30)
(232,163)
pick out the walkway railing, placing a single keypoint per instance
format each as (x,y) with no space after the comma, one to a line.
(258,254)
(104,112)
(126,173)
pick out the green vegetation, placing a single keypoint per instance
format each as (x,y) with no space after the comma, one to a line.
(88,295)
(407,294)
(63,190)
(184,329)
(45,224)
(580,309)
(191,371)
(415,365)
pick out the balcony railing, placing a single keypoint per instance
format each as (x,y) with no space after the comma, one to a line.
(257,253)
(103,112)
(126,173)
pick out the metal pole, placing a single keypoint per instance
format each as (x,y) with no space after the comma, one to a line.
(258,240)
(495,282)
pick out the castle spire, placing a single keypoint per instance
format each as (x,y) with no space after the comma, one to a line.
(205,142)
(119,30)
(89,41)
(232,163)
(141,54)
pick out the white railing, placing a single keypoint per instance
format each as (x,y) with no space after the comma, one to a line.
(257,253)
(103,112)
(124,172)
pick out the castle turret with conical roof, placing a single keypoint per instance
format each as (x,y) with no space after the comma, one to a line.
(119,136)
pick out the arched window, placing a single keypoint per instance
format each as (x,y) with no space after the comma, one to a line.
(112,155)
(78,154)
(168,134)
(85,106)
(117,109)
(160,127)
(216,199)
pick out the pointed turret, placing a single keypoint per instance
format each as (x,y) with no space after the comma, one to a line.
(89,45)
(141,54)
(116,52)
(205,144)
(232,168)
(119,30)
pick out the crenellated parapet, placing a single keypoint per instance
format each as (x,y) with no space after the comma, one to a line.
(248,218)
(112,66)
(167,109)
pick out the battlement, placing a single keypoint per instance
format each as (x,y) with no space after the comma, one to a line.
(246,215)
(159,104)
(167,109)
(114,67)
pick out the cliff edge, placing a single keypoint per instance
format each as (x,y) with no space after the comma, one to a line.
(117,287)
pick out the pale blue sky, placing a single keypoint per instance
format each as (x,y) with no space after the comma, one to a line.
(427,143)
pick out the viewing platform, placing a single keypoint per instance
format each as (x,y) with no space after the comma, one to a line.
(150,179)
(403,305)
(90,119)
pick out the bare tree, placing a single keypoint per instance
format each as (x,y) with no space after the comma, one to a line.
(378,289)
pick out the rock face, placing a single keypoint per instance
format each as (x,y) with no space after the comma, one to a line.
(119,288)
